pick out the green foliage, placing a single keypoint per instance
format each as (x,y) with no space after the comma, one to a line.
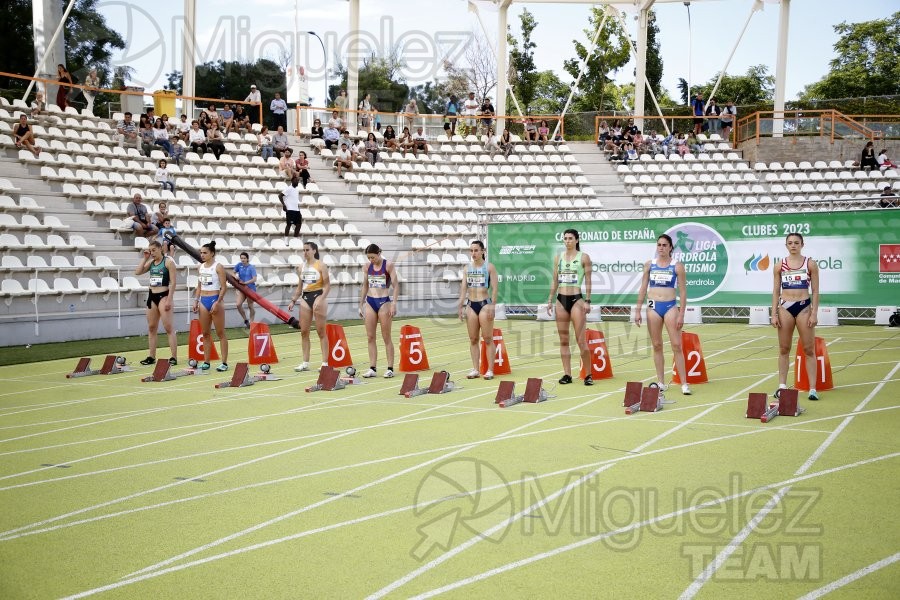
(175,82)
(550,94)
(865,62)
(379,76)
(521,61)
(232,79)
(754,87)
(612,53)
(654,70)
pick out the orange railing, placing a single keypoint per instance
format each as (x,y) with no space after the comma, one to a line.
(797,123)
(681,124)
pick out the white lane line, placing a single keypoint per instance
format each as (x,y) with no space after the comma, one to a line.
(742,535)
(834,585)
(495,571)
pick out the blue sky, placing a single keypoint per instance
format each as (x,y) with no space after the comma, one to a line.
(249,29)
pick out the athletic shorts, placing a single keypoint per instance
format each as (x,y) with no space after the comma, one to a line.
(377,303)
(293,217)
(795,307)
(661,307)
(568,300)
(208,301)
(476,306)
(155,298)
(310,297)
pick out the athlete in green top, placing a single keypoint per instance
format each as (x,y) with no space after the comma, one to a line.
(569,271)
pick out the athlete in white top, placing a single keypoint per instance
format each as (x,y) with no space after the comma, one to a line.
(210,304)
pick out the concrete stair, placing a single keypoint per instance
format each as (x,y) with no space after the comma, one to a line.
(601,174)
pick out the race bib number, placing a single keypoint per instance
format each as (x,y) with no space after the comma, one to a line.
(568,278)
(377,281)
(156,280)
(206,279)
(309,276)
(475,280)
(661,277)
(794,278)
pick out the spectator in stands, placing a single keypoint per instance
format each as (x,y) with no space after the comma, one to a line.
(410,112)
(25,136)
(868,160)
(336,121)
(888,198)
(602,133)
(884,163)
(492,142)
(630,153)
(638,140)
(210,304)
(390,139)
(681,145)
(205,122)
(317,136)
(165,179)
(151,115)
(280,141)
(92,81)
(279,112)
(241,119)
(171,126)
(543,132)
(160,301)
(343,160)
(376,306)
(712,116)
(166,227)
(252,110)
(313,287)
(184,129)
(264,138)
(302,169)
(668,144)
(451,113)
(161,136)
(420,142)
(331,136)
(140,218)
(470,109)
(477,298)
(161,214)
(196,138)
(506,143)
(693,144)
(342,103)
(405,140)
(345,139)
(571,269)
(65,85)
(616,132)
(215,141)
(38,105)
(246,274)
(290,202)
(365,112)
(126,133)
(226,118)
(697,108)
(727,117)
(630,128)
(286,165)
(372,149)
(358,150)
(148,138)
(487,113)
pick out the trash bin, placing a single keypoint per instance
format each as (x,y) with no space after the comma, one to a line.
(133,103)
(164,102)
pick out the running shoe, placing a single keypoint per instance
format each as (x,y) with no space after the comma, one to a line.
(589,380)
(370,373)
(148,361)
(489,375)
(389,373)
(204,366)
(565,379)
(304,366)
(685,389)
(473,374)
(222,368)
(813,395)
(173,361)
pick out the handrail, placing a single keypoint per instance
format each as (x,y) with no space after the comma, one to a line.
(750,126)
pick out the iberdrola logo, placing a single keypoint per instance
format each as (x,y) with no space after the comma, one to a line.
(757,263)
(704,254)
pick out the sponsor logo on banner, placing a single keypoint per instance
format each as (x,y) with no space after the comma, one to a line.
(889,258)
(517,250)
(757,263)
(701,249)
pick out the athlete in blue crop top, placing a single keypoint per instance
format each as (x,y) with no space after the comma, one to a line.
(662,277)
(795,304)
(477,297)
(376,306)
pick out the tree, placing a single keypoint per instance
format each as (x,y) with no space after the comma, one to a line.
(754,87)
(865,64)
(482,71)
(550,94)
(654,70)
(611,54)
(521,62)
(231,80)
(175,82)
(379,76)
(89,42)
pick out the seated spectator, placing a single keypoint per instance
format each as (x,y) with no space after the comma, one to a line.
(161,214)
(616,132)
(543,132)
(280,141)
(630,153)
(343,160)
(345,139)
(166,227)
(638,141)
(178,149)
(867,160)
(215,141)
(317,136)
(884,163)
(205,121)
(140,218)
(171,126)
(358,151)
(506,144)
(530,134)
(390,138)
(197,138)
(681,144)
(694,144)
(161,136)
(668,143)
(419,142)
(610,147)
(602,133)
(25,136)
(371,149)
(286,165)
(405,141)
(165,179)
(211,113)
(241,119)
(331,136)
(265,143)
(336,122)
(888,198)
(127,133)
(226,117)
(302,169)
(38,105)
(184,129)
(492,142)
(631,127)
(148,138)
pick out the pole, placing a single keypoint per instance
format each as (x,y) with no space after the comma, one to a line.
(325,64)
(52,41)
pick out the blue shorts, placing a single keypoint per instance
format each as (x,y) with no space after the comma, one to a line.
(208,301)
(477,306)
(661,307)
(795,307)
(377,303)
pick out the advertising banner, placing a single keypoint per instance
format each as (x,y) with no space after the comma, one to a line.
(728,260)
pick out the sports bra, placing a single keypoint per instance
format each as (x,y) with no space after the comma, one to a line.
(478,277)
(159,274)
(311,277)
(209,279)
(794,279)
(379,278)
(662,277)
(570,272)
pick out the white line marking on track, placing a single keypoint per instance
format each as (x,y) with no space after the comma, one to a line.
(875,566)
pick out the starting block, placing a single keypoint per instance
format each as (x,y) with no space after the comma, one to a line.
(241,376)
(633,394)
(651,401)
(329,380)
(506,394)
(162,372)
(534,393)
(786,406)
(440,384)
(112,365)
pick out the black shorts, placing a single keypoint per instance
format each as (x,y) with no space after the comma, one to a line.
(293,217)
(698,120)
(310,297)
(154,298)
(568,301)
